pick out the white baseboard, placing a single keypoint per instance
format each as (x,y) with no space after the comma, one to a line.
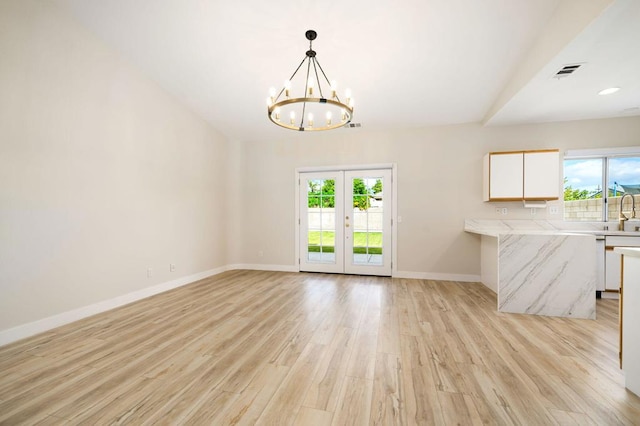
(437,276)
(263,267)
(610,295)
(30,329)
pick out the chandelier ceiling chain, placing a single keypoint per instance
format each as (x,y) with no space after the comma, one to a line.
(276,105)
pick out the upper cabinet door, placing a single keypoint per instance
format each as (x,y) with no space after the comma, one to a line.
(542,175)
(505,175)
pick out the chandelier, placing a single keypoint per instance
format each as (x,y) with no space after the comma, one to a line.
(312,111)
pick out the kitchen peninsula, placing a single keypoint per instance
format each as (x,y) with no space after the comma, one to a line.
(538,270)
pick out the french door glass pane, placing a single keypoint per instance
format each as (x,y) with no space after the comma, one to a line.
(321,218)
(367,220)
(624,178)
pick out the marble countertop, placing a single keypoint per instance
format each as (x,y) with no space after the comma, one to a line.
(628,251)
(494,228)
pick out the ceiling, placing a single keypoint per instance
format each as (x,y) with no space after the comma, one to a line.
(428,62)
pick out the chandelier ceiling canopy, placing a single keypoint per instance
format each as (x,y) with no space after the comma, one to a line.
(319,107)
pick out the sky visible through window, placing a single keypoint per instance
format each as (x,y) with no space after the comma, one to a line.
(587,173)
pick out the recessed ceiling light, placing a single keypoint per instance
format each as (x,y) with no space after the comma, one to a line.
(608,91)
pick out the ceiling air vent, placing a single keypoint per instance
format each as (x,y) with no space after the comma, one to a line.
(567,70)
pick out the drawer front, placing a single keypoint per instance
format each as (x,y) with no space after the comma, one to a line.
(620,241)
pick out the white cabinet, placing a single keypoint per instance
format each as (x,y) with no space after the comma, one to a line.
(522,175)
(542,175)
(504,176)
(613,259)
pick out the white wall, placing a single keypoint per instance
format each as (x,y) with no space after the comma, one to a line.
(102,174)
(439,184)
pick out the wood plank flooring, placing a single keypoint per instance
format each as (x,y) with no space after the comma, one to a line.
(253,347)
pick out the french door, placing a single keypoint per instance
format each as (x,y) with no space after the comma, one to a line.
(345,222)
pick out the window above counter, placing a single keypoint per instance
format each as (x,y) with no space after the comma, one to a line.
(596,180)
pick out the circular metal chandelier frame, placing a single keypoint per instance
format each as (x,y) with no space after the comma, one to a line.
(346,108)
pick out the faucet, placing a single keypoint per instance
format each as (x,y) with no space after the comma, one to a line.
(622,216)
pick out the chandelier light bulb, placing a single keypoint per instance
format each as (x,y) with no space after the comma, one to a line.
(269,101)
(310,120)
(334,87)
(277,113)
(287,88)
(272,95)
(292,117)
(328,118)
(310,86)
(343,113)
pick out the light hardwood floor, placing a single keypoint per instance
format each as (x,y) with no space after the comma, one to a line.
(248,347)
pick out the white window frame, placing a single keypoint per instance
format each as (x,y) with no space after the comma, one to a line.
(605,154)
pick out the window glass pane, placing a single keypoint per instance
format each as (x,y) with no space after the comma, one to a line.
(328,201)
(328,220)
(328,187)
(374,220)
(314,202)
(359,220)
(583,189)
(321,220)
(328,241)
(624,178)
(315,186)
(313,246)
(314,220)
(328,257)
(367,221)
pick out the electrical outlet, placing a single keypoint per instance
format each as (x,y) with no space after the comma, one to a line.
(554,210)
(498,210)
(533,212)
(149,272)
(504,211)
(172,267)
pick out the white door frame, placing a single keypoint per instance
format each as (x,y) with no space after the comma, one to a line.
(394,208)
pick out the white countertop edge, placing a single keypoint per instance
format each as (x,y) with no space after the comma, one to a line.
(493,228)
(498,232)
(628,251)
(530,233)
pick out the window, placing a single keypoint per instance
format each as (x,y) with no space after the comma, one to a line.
(595,184)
